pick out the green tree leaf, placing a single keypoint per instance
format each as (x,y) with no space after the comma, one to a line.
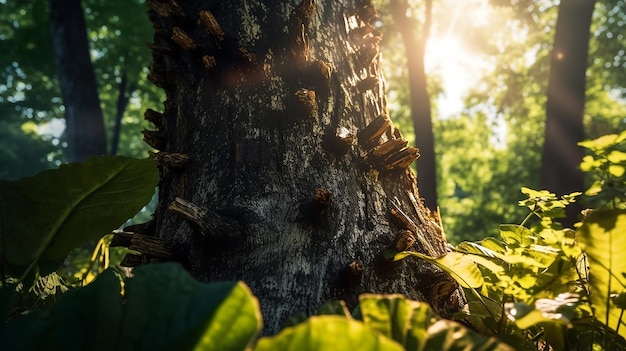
(458,265)
(186,314)
(163,308)
(397,318)
(448,335)
(47,215)
(334,333)
(603,240)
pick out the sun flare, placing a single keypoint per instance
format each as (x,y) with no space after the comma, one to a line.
(449,58)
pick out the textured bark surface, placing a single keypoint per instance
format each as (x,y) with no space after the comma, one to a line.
(84,121)
(280,108)
(561,156)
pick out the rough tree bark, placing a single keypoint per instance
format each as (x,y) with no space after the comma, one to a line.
(84,122)
(561,156)
(279,165)
(415,48)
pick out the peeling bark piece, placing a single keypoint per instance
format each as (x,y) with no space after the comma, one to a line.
(209,223)
(161,9)
(211,25)
(145,244)
(154,139)
(158,79)
(164,9)
(183,39)
(370,135)
(209,62)
(402,159)
(170,159)
(408,224)
(175,9)
(246,56)
(133,260)
(159,48)
(404,240)
(150,246)
(154,117)
(382,151)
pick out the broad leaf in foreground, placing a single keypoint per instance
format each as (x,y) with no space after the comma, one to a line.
(47,215)
(163,308)
(603,238)
(457,265)
(332,333)
(398,318)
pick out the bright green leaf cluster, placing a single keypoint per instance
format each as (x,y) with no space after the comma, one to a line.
(607,164)
(540,284)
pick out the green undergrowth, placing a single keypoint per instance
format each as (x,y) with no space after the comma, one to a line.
(538,286)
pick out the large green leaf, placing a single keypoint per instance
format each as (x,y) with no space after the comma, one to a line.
(603,237)
(47,215)
(445,335)
(397,317)
(458,265)
(190,315)
(163,308)
(328,332)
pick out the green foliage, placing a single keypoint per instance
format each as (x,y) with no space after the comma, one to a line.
(541,285)
(30,96)
(606,162)
(328,333)
(458,266)
(535,286)
(602,239)
(47,215)
(186,314)
(106,315)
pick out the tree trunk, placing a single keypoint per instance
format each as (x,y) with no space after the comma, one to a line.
(84,123)
(122,103)
(561,156)
(415,48)
(296,181)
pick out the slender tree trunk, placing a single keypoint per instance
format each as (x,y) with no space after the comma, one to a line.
(561,156)
(122,102)
(84,131)
(415,48)
(279,165)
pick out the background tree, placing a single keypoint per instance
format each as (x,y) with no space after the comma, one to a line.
(30,97)
(296,181)
(561,155)
(415,47)
(480,172)
(84,123)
